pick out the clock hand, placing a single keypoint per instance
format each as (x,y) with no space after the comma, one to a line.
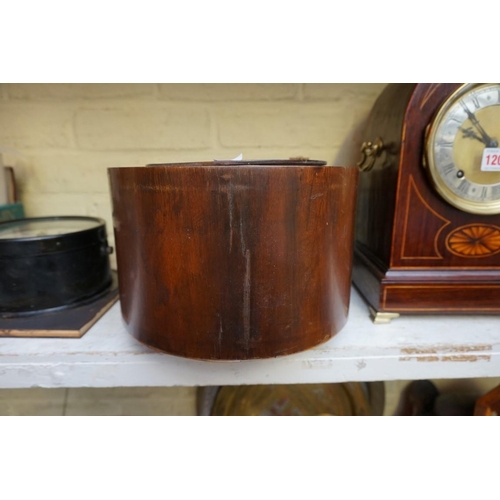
(469,133)
(490,143)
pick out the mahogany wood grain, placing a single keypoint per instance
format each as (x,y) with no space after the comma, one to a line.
(234,262)
(404,227)
(377,188)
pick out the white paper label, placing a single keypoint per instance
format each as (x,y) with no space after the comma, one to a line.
(491,160)
(238,158)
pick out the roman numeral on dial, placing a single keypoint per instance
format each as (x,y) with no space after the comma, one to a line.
(448,169)
(464,186)
(496,191)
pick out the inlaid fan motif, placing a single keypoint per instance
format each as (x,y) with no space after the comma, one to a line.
(474,240)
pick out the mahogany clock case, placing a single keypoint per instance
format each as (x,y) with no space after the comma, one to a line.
(405,257)
(234,260)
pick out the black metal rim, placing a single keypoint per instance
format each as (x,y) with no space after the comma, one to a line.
(233,163)
(54,243)
(113,283)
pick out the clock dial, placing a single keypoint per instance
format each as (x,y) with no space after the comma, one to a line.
(466,128)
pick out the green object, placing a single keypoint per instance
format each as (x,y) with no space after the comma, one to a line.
(11,212)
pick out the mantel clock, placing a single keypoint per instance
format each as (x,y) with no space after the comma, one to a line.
(428,215)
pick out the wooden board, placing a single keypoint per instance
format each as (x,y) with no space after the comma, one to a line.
(67,323)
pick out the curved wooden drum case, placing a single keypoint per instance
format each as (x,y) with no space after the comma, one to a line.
(234,261)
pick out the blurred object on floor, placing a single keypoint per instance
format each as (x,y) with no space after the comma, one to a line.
(474,387)
(422,398)
(205,399)
(354,398)
(454,405)
(489,404)
(417,399)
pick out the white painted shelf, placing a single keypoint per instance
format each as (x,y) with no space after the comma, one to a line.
(416,347)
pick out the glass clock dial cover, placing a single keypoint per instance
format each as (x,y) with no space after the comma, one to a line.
(20,229)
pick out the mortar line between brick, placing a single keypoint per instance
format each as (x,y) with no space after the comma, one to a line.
(65,402)
(300,92)
(73,136)
(214,129)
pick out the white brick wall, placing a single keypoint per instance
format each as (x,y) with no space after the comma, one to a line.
(26,125)
(65,136)
(143,125)
(63,91)
(228,92)
(294,125)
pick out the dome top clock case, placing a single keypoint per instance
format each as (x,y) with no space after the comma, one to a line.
(428,215)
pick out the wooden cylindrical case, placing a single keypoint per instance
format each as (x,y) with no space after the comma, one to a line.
(234,262)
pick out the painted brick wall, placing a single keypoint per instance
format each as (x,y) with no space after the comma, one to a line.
(61,138)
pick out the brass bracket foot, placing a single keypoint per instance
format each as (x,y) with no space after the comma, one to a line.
(381,318)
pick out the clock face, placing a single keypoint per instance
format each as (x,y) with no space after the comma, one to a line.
(462,149)
(45,226)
